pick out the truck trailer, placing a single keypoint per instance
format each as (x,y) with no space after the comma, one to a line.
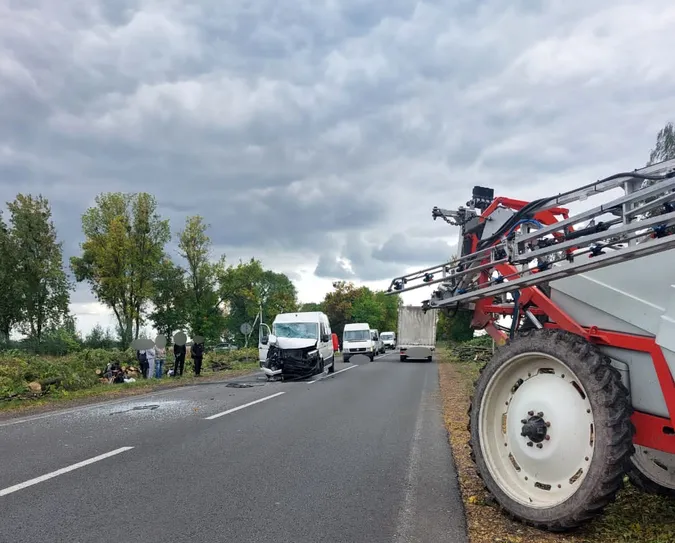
(416,332)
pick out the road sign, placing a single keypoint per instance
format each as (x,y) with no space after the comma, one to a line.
(245,328)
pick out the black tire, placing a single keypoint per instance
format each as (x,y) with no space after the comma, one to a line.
(332,365)
(612,429)
(403,358)
(429,358)
(372,357)
(345,359)
(643,482)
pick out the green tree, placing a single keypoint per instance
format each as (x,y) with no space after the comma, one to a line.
(98,338)
(311,306)
(204,304)
(454,326)
(169,299)
(390,305)
(248,287)
(338,305)
(121,255)
(367,308)
(42,286)
(10,303)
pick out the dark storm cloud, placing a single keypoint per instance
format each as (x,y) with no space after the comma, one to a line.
(325,129)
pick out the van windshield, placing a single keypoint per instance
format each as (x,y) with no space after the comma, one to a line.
(298,330)
(356,335)
(387,335)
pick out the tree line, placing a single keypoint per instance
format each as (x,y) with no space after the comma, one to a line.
(125,261)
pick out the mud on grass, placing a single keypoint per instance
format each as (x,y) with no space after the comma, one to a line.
(634,518)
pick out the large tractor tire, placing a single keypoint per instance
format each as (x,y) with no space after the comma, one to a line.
(653,471)
(550,427)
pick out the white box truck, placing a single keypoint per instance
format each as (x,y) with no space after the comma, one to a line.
(416,332)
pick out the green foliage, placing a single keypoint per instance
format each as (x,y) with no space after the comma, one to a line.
(98,338)
(202,303)
(10,303)
(247,287)
(347,303)
(40,286)
(73,372)
(455,327)
(170,299)
(122,254)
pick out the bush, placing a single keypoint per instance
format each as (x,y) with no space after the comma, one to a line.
(73,372)
(77,371)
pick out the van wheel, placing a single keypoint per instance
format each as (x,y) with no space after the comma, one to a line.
(345,359)
(372,357)
(332,365)
(403,358)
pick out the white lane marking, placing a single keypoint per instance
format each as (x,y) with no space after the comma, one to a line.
(243,406)
(331,374)
(345,369)
(61,471)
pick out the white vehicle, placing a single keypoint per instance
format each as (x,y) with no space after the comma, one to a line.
(299,345)
(416,332)
(388,339)
(357,339)
(379,346)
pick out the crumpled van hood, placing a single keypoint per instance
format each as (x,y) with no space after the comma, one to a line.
(295,343)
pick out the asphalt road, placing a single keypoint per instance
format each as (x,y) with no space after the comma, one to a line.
(358,456)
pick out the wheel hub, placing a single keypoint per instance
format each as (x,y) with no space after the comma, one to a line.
(522,403)
(534,429)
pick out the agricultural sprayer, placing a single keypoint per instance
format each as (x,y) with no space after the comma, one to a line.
(580,390)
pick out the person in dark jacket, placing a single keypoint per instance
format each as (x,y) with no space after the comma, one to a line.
(179,355)
(197,353)
(142,358)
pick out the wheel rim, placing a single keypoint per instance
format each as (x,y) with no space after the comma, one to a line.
(536,394)
(657,466)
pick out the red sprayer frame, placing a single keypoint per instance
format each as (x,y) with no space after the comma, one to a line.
(651,431)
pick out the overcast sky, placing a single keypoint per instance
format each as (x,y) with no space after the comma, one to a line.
(317,135)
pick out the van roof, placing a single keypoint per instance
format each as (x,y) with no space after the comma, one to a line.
(357,326)
(302,316)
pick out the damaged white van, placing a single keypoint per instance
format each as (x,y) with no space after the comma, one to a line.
(299,345)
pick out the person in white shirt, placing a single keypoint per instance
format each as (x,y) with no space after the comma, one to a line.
(150,353)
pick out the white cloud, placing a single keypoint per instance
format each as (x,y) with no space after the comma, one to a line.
(325,132)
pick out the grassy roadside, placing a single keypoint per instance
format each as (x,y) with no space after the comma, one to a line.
(60,398)
(634,518)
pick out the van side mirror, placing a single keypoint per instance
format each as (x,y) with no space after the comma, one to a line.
(264,340)
(325,338)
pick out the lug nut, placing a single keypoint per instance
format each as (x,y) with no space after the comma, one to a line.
(540,414)
(530,413)
(548,425)
(529,443)
(539,445)
(523,421)
(547,437)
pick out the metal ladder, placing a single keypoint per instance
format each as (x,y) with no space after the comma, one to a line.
(551,252)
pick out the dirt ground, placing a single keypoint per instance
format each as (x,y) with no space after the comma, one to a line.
(634,518)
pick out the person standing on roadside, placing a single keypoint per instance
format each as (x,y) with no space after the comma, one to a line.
(197,353)
(143,362)
(150,353)
(159,361)
(179,355)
